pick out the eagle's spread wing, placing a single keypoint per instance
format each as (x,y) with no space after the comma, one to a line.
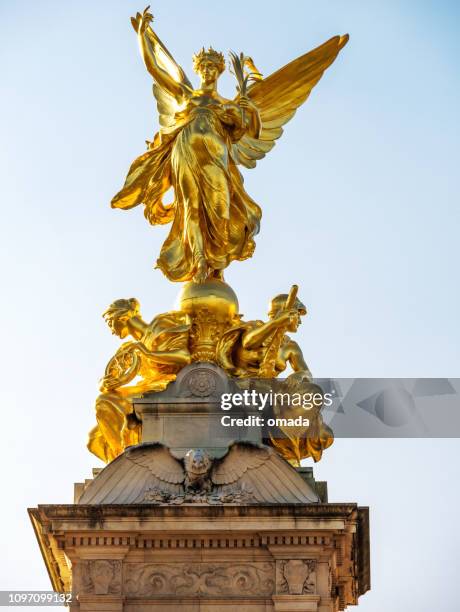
(140,469)
(240,458)
(158,460)
(262,472)
(279,96)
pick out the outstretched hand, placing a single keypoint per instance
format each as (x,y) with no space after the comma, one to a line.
(141,22)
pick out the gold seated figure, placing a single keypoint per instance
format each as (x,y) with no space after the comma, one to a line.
(149,363)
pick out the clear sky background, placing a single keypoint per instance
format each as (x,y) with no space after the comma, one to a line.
(361,209)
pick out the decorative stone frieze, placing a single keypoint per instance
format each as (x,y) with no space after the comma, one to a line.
(146,558)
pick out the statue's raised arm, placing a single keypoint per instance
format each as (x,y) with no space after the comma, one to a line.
(166,72)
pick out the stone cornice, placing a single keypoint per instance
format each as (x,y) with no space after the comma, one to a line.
(79,540)
(105,511)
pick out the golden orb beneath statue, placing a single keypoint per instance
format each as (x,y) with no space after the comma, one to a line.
(213,308)
(212,296)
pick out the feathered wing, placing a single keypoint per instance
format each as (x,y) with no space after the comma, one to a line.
(158,460)
(240,458)
(259,470)
(166,106)
(279,96)
(128,478)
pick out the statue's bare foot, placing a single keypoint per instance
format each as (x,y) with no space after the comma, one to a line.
(201,272)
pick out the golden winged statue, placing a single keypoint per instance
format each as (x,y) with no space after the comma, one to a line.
(202,140)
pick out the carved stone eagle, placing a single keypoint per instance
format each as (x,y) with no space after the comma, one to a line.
(197,467)
(149,473)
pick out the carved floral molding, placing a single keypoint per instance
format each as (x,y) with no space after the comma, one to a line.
(192,579)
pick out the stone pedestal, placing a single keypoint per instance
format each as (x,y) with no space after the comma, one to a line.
(140,558)
(188,413)
(251,532)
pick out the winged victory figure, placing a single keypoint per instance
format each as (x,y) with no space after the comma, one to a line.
(202,140)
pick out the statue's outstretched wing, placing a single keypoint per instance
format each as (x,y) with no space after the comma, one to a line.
(280,95)
(261,471)
(140,469)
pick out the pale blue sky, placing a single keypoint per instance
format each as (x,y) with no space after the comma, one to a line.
(360,201)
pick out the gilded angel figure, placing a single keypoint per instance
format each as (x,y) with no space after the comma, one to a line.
(203,138)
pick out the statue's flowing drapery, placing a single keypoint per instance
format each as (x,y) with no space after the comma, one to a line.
(196,160)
